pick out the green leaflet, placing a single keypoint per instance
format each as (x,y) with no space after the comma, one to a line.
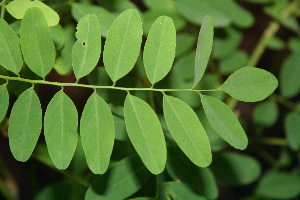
(184,42)
(292,129)
(159,50)
(4,101)
(204,47)
(60,129)
(235,169)
(179,190)
(266,113)
(61,189)
(122,180)
(250,84)
(106,18)
(278,185)
(36,42)
(187,130)
(195,11)
(86,50)
(226,42)
(10,52)
(199,180)
(97,133)
(145,133)
(123,44)
(18,8)
(58,36)
(233,62)
(289,76)
(239,16)
(63,65)
(225,123)
(25,125)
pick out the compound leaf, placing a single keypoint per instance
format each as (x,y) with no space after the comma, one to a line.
(204,47)
(128,176)
(18,8)
(123,44)
(25,125)
(10,52)
(250,84)
(145,133)
(97,133)
(159,50)
(225,123)
(60,129)
(86,50)
(187,130)
(36,42)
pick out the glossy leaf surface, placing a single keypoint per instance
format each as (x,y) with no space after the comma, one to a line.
(36,42)
(225,123)
(25,125)
(60,129)
(123,44)
(97,133)
(10,51)
(187,130)
(145,133)
(86,50)
(250,84)
(159,50)
(4,101)
(128,176)
(18,9)
(204,47)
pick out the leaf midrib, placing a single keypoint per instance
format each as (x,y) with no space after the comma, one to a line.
(9,51)
(143,134)
(223,125)
(198,152)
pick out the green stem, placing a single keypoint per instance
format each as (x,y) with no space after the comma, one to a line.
(268,33)
(97,86)
(273,141)
(2,2)
(285,102)
(3,9)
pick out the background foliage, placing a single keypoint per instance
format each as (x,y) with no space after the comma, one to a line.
(140,133)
